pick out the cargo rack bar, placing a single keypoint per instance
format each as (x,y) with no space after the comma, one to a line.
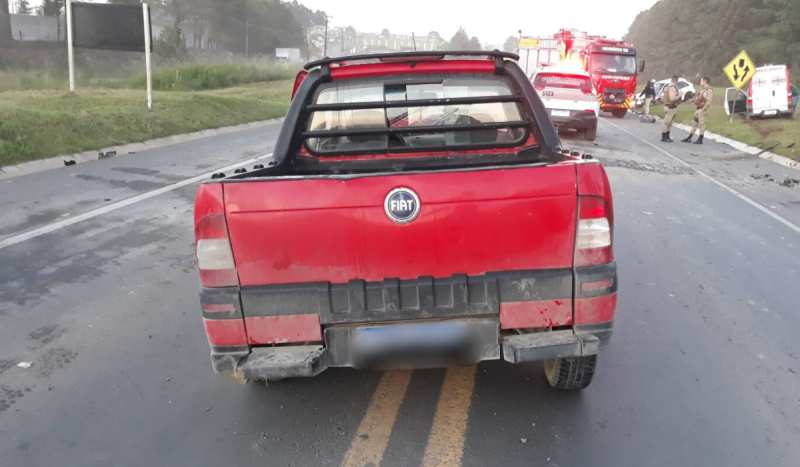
(410,56)
(414,129)
(412,103)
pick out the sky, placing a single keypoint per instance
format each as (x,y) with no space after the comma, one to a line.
(492,21)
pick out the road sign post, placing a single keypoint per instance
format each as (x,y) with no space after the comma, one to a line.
(148,68)
(740,71)
(110,27)
(70,52)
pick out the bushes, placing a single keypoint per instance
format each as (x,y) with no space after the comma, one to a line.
(203,77)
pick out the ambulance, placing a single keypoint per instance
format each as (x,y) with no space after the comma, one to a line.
(769,94)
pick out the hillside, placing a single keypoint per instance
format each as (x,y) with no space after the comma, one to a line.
(692,38)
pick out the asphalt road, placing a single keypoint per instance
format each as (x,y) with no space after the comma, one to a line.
(704,367)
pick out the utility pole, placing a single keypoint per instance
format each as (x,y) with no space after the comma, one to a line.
(70,53)
(246,36)
(325,47)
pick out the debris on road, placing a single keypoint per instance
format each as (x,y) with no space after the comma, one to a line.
(759,176)
(523,440)
(24,365)
(790,182)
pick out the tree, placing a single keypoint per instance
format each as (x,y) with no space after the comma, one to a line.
(23,7)
(462,41)
(5,23)
(170,43)
(305,16)
(52,8)
(677,43)
(511,45)
(459,41)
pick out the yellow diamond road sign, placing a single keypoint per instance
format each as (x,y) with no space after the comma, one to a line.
(740,70)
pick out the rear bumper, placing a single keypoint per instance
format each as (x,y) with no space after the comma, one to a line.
(768,113)
(300,330)
(310,360)
(577,121)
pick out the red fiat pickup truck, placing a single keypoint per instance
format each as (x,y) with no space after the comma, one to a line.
(418,211)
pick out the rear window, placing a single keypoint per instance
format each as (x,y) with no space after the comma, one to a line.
(427,125)
(563,81)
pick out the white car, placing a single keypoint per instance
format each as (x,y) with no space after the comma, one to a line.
(570,97)
(684,86)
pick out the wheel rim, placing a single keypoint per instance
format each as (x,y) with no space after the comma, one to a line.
(551,370)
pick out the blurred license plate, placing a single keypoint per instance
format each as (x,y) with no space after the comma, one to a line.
(771,112)
(416,335)
(560,113)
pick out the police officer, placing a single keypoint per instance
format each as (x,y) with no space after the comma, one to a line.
(703,102)
(672,97)
(649,94)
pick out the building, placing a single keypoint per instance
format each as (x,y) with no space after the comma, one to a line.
(386,42)
(38,28)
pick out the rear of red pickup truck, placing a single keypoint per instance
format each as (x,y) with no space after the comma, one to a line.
(418,212)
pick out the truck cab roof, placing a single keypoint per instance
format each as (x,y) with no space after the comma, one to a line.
(415,109)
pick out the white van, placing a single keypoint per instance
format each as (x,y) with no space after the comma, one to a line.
(570,97)
(769,94)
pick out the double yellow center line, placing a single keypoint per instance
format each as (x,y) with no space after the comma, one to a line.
(446,441)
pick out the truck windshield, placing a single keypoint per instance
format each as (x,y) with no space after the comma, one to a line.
(614,63)
(403,123)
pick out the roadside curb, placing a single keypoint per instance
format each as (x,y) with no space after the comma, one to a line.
(739,146)
(41,165)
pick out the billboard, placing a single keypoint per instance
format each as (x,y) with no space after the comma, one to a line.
(109,27)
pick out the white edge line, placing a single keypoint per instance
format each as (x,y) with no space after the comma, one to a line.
(127,202)
(711,179)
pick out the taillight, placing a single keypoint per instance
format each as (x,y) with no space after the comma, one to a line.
(298,80)
(591,111)
(213,246)
(593,243)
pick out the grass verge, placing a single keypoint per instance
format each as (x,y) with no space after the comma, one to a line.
(205,77)
(760,133)
(41,124)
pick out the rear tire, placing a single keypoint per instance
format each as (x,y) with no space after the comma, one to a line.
(619,113)
(689,96)
(590,135)
(570,374)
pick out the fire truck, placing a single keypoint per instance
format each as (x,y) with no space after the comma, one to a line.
(611,64)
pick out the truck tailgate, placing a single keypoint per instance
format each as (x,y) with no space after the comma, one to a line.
(285,231)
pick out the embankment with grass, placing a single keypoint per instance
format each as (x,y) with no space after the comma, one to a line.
(761,133)
(42,123)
